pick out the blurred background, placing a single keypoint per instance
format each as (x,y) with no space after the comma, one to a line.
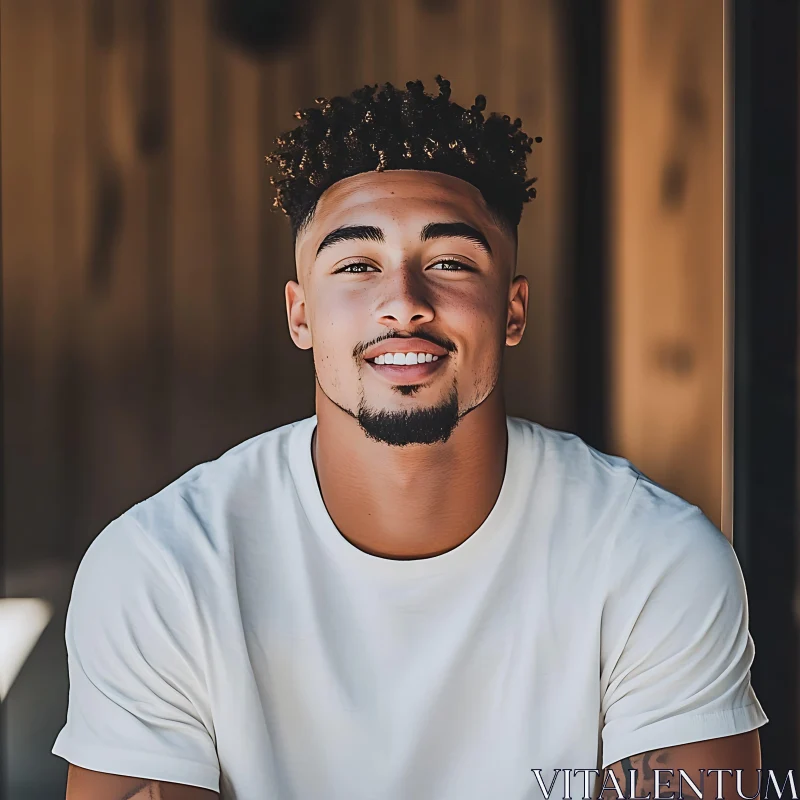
(143,321)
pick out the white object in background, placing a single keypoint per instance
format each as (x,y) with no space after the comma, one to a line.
(22,620)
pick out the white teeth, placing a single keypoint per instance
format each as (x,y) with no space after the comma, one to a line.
(405,358)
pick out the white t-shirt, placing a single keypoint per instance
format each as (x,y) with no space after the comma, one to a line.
(224,634)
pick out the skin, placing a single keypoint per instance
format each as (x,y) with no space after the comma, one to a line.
(441,492)
(438,494)
(85,784)
(730,752)
(742,751)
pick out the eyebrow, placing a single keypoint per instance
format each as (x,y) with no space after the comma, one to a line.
(346,233)
(455,230)
(433,230)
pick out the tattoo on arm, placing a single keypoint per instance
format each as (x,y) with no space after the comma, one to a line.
(646,777)
(627,766)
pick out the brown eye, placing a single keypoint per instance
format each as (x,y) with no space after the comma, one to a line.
(355,268)
(448,265)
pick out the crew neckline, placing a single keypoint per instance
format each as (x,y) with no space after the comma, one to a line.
(489,534)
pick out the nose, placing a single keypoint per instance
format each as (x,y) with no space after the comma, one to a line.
(405,302)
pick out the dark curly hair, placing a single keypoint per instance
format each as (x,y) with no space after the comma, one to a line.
(383,127)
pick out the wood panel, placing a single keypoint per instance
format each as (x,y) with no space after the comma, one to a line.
(39,257)
(667,297)
(537,380)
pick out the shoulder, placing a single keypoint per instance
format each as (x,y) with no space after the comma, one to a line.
(565,458)
(630,522)
(668,567)
(199,508)
(585,490)
(662,532)
(188,526)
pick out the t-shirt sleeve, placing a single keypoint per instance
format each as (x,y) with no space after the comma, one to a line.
(138,703)
(675,647)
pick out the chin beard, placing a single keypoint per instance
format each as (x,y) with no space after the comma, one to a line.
(415,426)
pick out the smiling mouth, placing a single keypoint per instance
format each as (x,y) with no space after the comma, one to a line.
(412,368)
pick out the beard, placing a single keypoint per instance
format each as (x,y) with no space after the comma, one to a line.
(414,426)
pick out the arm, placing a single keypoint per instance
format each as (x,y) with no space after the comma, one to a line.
(138,699)
(739,752)
(84,784)
(676,654)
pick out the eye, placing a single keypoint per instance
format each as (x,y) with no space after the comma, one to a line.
(450,265)
(356,268)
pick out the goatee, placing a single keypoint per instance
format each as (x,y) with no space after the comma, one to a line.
(414,426)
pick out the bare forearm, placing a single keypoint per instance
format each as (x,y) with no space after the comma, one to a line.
(84,784)
(696,770)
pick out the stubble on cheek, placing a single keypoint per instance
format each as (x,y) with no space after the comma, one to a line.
(484,380)
(327,373)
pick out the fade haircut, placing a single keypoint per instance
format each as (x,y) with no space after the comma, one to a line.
(383,127)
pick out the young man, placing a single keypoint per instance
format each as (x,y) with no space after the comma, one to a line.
(409,595)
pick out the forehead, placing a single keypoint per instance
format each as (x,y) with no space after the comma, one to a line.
(401,202)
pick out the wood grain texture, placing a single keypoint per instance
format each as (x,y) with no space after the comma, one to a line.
(667,297)
(39,260)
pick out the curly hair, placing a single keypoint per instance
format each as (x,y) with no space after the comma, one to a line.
(384,128)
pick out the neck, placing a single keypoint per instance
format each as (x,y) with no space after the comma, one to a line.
(416,501)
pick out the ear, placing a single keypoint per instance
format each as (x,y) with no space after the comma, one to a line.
(517,310)
(296,315)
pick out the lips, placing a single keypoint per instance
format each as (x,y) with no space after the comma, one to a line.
(404,345)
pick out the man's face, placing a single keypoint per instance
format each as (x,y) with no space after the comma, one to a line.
(406,292)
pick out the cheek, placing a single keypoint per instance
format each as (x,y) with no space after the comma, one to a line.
(480,321)
(336,322)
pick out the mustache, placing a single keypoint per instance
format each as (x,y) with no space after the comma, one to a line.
(441,341)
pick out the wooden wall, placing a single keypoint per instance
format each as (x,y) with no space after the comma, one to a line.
(667,298)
